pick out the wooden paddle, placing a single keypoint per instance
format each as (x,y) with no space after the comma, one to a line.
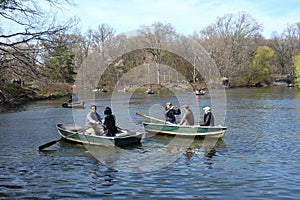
(146,116)
(44,146)
(55,141)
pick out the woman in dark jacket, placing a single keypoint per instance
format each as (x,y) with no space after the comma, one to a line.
(109,123)
(171,112)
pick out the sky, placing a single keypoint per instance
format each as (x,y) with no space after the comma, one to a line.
(186,16)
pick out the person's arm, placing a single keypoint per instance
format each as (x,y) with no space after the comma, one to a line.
(183,119)
(167,114)
(90,119)
(207,118)
(105,121)
(99,117)
(204,119)
(177,111)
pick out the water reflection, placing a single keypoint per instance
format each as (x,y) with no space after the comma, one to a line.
(257,159)
(200,149)
(5,108)
(154,153)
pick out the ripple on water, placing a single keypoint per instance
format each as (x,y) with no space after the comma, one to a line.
(258,158)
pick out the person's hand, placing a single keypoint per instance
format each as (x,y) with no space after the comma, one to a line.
(104,127)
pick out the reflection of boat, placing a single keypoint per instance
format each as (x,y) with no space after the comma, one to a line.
(183,130)
(76,133)
(73,105)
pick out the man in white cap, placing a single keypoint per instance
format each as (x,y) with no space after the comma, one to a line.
(188,117)
(208,119)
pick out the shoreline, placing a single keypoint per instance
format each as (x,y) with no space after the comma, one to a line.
(31,96)
(14,101)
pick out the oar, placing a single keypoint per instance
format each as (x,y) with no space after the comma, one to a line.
(146,116)
(44,146)
(55,141)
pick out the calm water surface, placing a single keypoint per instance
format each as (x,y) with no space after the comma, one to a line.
(257,159)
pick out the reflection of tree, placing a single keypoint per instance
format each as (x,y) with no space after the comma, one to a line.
(198,147)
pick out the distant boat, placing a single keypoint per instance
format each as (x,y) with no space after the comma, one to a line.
(183,130)
(73,104)
(149,91)
(200,92)
(76,133)
(99,90)
(122,90)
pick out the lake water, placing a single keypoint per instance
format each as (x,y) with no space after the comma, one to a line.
(257,159)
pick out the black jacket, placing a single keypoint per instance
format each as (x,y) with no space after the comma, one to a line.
(170,114)
(110,125)
(208,120)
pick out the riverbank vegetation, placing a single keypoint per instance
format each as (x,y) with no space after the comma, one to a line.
(45,54)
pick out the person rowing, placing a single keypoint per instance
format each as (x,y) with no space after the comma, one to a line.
(93,119)
(188,116)
(170,113)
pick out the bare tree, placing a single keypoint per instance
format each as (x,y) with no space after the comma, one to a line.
(281,48)
(103,34)
(286,45)
(156,36)
(230,42)
(32,25)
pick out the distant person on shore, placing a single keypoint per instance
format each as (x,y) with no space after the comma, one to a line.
(109,124)
(208,118)
(188,116)
(170,113)
(93,120)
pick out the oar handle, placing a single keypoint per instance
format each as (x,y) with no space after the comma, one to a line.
(140,114)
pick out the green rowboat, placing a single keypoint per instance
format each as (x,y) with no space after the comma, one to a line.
(76,133)
(183,130)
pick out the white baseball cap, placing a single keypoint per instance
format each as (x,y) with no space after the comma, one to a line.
(206,108)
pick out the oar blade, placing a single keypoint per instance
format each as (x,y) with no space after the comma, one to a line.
(44,146)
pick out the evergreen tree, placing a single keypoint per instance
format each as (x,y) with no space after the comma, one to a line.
(61,65)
